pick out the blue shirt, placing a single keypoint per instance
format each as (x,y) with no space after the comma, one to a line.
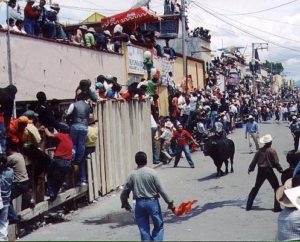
(252,128)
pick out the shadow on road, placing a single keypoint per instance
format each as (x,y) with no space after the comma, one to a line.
(170,218)
(211,176)
(116,220)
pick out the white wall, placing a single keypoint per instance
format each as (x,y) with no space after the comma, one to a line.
(56,69)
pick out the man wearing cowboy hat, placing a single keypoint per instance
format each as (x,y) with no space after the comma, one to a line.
(252,130)
(89,37)
(288,226)
(266,159)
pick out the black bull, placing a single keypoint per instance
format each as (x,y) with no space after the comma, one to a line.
(220,150)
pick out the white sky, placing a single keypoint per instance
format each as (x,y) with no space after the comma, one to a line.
(283,22)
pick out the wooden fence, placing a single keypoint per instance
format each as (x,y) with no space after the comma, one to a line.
(124,129)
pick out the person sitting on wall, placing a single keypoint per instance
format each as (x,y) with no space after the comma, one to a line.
(90,38)
(19,27)
(30,20)
(60,33)
(13,12)
(119,37)
(102,39)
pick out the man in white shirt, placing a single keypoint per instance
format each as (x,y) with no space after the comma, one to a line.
(14,13)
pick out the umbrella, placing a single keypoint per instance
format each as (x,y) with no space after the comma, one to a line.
(184,208)
(136,16)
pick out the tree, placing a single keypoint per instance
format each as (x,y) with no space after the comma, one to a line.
(274,68)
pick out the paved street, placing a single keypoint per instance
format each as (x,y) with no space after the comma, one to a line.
(220,212)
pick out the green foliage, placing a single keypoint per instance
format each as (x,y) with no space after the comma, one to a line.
(275,68)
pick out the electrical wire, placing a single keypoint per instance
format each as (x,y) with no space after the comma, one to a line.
(263,31)
(250,16)
(260,11)
(245,31)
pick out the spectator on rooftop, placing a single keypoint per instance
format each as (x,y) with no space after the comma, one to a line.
(19,27)
(45,22)
(60,33)
(119,37)
(89,37)
(11,24)
(102,39)
(13,12)
(30,20)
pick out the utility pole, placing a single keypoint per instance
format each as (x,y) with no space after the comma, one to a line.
(8,49)
(256,46)
(183,22)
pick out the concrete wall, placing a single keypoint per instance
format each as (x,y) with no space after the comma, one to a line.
(56,69)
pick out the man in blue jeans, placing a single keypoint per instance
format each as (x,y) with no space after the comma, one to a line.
(182,138)
(79,112)
(146,189)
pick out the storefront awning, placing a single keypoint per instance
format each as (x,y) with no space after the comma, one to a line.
(135,16)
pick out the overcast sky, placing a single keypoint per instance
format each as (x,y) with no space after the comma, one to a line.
(280,27)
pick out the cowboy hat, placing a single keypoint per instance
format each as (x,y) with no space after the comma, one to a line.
(55,6)
(291,186)
(266,139)
(83,27)
(92,30)
(250,117)
(106,32)
(169,124)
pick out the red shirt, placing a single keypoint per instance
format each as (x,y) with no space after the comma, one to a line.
(64,147)
(182,137)
(29,12)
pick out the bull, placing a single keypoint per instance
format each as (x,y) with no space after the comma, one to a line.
(220,150)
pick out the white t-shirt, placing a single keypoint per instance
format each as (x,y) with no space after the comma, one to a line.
(193,102)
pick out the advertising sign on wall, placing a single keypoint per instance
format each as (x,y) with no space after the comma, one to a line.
(135,60)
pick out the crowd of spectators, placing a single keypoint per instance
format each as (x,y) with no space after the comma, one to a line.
(37,20)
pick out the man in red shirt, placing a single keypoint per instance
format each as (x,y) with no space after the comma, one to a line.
(30,20)
(182,138)
(61,162)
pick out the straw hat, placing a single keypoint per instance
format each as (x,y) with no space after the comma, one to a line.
(266,139)
(55,6)
(169,124)
(92,30)
(106,32)
(23,119)
(83,27)
(280,194)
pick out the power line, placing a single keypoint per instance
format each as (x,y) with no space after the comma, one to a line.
(250,16)
(263,10)
(263,31)
(245,31)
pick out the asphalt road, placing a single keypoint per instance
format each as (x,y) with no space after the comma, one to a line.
(219,214)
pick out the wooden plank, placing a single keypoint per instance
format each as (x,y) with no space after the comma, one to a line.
(95,176)
(102,150)
(90,180)
(42,207)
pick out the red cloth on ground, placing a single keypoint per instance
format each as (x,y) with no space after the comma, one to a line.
(64,147)
(184,208)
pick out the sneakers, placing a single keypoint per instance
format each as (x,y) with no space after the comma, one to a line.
(192,166)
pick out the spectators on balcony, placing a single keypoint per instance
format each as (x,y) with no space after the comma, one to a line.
(31,14)
(14,12)
(90,38)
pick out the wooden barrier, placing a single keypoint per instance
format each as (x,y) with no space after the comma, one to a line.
(124,129)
